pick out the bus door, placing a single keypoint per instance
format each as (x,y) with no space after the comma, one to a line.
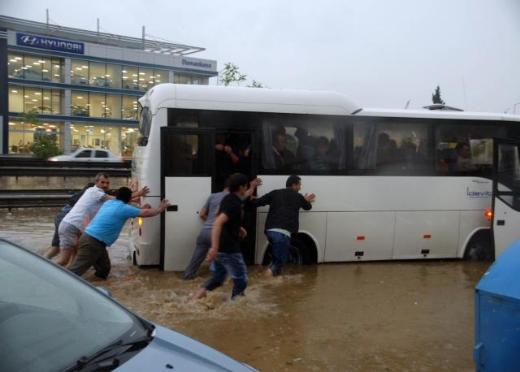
(506,194)
(244,148)
(187,170)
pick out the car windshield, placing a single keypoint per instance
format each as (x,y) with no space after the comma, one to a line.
(49,319)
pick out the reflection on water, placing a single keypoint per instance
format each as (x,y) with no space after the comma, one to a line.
(392,316)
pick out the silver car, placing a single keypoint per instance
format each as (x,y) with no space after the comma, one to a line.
(52,320)
(87,154)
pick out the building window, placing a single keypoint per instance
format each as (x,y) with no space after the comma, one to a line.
(79,72)
(113,106)
(15,66)
(22,135)
(130,77)
(129,108)
(113,76)
(160,76)
(79,103)
(128,141)
(16,98)
(39,68)
(43,101)
(97,75)
(190,79)
(145,78)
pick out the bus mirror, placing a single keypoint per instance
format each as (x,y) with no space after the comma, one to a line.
(142,141)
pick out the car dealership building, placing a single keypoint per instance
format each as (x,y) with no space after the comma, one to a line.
(82,85)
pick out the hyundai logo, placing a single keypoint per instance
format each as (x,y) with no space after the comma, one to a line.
(30,40)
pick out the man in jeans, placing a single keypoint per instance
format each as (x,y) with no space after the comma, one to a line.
(283,219)
(224,254)
(73,224)
(208,213)
(104,230)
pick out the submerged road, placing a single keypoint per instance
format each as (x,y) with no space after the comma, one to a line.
(390,316)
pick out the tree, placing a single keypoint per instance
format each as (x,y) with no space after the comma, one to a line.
(231,74)
(256,84)
(44,145)
(436,97)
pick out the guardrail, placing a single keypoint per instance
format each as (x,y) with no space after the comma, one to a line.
(10,166)
(34,198)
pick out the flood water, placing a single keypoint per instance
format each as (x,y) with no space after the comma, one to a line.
(391,316)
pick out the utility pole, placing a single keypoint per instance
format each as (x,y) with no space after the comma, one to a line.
(47,16)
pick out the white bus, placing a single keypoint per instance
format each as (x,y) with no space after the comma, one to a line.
(390,184)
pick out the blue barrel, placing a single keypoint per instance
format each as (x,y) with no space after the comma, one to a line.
(497,315)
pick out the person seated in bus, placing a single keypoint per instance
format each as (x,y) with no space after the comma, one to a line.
(283,158)
(387,152)
(322,159)
(464,163)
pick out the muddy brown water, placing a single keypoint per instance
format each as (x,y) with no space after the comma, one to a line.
(385,316)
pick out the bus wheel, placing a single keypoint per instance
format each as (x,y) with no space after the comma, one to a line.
(480,247)
(134,258)
(302,250)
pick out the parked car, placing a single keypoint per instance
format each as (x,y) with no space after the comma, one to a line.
(52,320)
(86,154)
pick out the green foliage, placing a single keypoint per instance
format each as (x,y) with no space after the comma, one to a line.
(436,97)
(231,74)
(256,84)
(45,146)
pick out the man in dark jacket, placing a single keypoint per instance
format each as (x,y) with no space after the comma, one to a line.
(282,219)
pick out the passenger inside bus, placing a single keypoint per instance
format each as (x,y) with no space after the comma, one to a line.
(284,159)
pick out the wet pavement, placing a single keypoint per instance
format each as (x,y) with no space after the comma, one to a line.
(390,316)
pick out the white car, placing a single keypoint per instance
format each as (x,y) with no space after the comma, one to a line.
(86,154)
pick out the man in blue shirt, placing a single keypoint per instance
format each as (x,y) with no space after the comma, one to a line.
(104,230)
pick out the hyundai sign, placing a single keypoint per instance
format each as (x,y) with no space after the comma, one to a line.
(50,43)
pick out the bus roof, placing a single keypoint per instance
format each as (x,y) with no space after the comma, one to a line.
(207,97)
(437,114)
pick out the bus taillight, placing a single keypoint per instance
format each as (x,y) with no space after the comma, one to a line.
(488,213)
(140,223)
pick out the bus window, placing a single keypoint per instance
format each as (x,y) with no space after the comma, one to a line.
(391,148)
(185,159)
(144,126)
(464,148)
(305,145)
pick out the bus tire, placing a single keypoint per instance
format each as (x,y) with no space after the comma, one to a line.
(134,258)
(302,250)
(480,247)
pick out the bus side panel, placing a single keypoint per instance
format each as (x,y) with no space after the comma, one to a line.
(426,234)
(356,236)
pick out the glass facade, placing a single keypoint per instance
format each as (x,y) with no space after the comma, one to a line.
(38,68)
(100,105)
(92,92)
(22,134)
(43,101)
(119,140)
(190,79)
(106,75)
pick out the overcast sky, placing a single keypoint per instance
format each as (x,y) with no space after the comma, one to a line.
(380,53)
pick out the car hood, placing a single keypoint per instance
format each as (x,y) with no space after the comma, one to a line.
(171,349)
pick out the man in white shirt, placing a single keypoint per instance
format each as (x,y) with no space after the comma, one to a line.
(72,226)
